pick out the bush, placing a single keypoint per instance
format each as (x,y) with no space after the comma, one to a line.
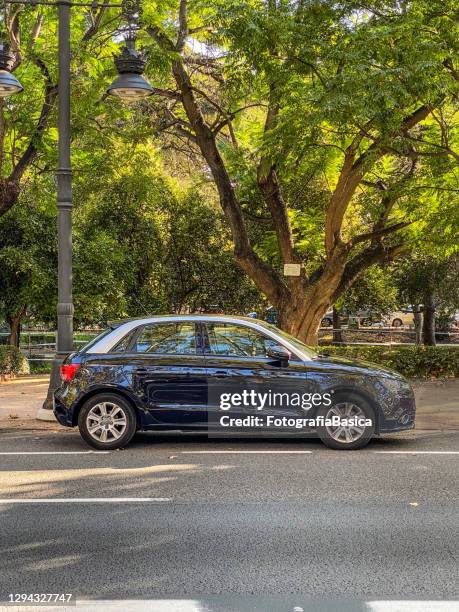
(411,361)
(40,367)
(12,361)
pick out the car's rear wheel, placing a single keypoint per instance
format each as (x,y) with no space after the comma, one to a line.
(397,323)
(107,421)
(350,407)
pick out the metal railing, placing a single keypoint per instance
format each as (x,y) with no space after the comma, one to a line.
(382,336)
(41,345)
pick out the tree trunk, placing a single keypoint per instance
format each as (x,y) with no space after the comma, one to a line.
(428,326)
(337,333)
(9,194)
(15,326)
(417,316)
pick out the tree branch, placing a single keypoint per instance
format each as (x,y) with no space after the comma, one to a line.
(352,172)
(361,262)
(378,233)
(267,278)
(95,25)
(183,26)
(269,186)
(32,149)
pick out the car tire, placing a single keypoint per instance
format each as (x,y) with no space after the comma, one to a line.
(327,322)
(352,440)
(110,435)
(397,323)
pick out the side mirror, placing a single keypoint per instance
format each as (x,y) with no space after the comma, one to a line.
(279,353)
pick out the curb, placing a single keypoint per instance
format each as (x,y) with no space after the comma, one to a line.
(46,415)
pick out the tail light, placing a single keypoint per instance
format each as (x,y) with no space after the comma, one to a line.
(68,371)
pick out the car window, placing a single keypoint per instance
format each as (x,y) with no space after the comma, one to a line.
(123,343)
(237,340)
(167,339)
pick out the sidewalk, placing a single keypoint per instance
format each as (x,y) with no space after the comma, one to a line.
(20,400)
(437,404)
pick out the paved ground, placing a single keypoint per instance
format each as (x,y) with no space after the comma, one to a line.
(437,403)
(188,517)
(20,400)
(188,524)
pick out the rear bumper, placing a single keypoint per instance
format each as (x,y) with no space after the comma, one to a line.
(62,411)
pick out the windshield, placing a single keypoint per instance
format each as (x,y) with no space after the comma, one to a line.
(304,348)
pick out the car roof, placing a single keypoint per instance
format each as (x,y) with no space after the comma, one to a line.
(182,317)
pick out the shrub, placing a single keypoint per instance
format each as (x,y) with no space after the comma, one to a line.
(12,361)
(40,367)
(411,361)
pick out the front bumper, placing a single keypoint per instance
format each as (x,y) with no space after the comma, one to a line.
(402,416)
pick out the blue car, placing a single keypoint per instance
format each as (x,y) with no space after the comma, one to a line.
(224,375)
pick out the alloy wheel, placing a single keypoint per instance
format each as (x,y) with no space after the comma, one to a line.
(106,422)
(341,433)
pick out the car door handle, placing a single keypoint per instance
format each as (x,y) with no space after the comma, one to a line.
(221,374)
(141,371)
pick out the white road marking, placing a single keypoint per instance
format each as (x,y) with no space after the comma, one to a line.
(247,452)
(417,452)
(211,603)
(89,452)
(83,500)
(412,606)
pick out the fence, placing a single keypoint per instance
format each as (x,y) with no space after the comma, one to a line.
(41,345)
(382,336)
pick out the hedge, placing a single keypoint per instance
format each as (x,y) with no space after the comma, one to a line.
(12,361)
(411,361)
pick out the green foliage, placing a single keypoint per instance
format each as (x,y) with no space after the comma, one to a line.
(40,367)
(430,276)
(27,256)
(147,244)
(411,361)
(375,291)
(148,234)
(334,74)
(12,361)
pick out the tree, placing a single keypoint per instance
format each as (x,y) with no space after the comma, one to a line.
(375,290)
(358,97)
(27,137)
(27,262)
(145,244)
(430,280)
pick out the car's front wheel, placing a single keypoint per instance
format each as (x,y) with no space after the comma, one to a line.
(348,419)
(107,421)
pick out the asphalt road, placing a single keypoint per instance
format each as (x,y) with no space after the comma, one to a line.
(198,520)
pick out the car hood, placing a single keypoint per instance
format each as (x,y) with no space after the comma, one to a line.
(356,366)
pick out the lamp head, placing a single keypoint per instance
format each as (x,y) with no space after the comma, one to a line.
(8,82)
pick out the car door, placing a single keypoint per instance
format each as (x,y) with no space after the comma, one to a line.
(169,374)
(236,359)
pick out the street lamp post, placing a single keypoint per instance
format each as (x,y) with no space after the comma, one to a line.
(128,86)
(64,340)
